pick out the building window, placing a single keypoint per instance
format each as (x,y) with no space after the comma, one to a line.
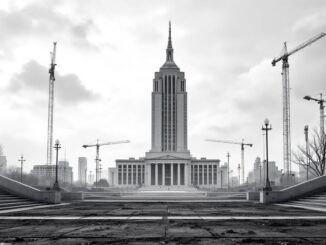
(134,174)
(139,174)
(182,174)
(182,86)
(124,174)
(205,174)
(129,174)
(119,175)
(152,174)
(210,174)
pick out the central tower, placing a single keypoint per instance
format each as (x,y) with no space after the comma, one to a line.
(169,107)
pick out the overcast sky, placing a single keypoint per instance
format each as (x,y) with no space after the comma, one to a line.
(107,54)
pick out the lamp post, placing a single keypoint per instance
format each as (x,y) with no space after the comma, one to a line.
(228,156)
(239,172)
(21,160)
(57,146)
(306,129)
(260,174)
(321,102)
(266,129)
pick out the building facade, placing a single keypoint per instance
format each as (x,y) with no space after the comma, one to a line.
(3,162)
(46,173)
(168,163)
(258,175)
(82,170)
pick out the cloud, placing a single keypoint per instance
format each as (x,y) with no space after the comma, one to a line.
(34,77)
(41,19)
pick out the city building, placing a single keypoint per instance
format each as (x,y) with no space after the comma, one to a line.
(258,175)
(46,173)
(3,162)
(82,170)
(169,162)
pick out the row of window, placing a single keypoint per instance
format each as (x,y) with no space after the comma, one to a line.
(131,174)
(204,175)
(169,85)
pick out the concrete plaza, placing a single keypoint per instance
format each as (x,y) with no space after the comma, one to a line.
(228,222)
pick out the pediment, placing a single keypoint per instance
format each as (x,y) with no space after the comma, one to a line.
(167,157)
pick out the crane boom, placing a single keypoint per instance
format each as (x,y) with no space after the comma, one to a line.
(107,143)
(301,46)
(229,142)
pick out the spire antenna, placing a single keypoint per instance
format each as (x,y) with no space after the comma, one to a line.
(169,50)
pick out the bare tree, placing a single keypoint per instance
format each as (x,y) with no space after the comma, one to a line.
(315,158)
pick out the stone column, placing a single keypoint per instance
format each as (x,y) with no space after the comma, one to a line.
(148,172)
(156,174)
(132,174)
(127,173)
(163,174)
(186,174)
(137,172)
(179,174)
(121,174)
(197,174)
(212,176)
(202,175)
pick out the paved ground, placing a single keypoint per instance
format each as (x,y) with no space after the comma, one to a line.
(92,223)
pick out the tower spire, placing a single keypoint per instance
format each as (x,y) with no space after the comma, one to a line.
(169,50)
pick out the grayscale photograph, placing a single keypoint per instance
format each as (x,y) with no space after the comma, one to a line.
(162,122)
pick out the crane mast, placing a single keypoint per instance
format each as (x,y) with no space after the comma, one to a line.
(50,106)
(286,99)
(242,153)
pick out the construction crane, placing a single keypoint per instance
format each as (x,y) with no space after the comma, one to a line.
(97,159)
(242,153)
(50,105)
(286,98)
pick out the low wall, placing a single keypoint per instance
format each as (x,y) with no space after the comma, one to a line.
(26,191)
(293,192)
(253,196)
(71,196)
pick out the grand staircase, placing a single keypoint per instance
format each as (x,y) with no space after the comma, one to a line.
(9,202)
(315,202)
(165,196)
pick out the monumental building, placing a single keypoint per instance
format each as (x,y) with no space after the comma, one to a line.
(168,163)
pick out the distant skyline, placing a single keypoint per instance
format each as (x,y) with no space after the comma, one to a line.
(108,52)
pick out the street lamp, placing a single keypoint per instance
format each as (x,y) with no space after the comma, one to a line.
(306,128)
(57,146)
(228,156)
(21,160)
(321,102)
(266,129)
(239,172)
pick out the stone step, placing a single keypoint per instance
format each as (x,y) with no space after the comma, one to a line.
(12,200)
(309,203)
(5,195)
(14,203)
(19,206)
